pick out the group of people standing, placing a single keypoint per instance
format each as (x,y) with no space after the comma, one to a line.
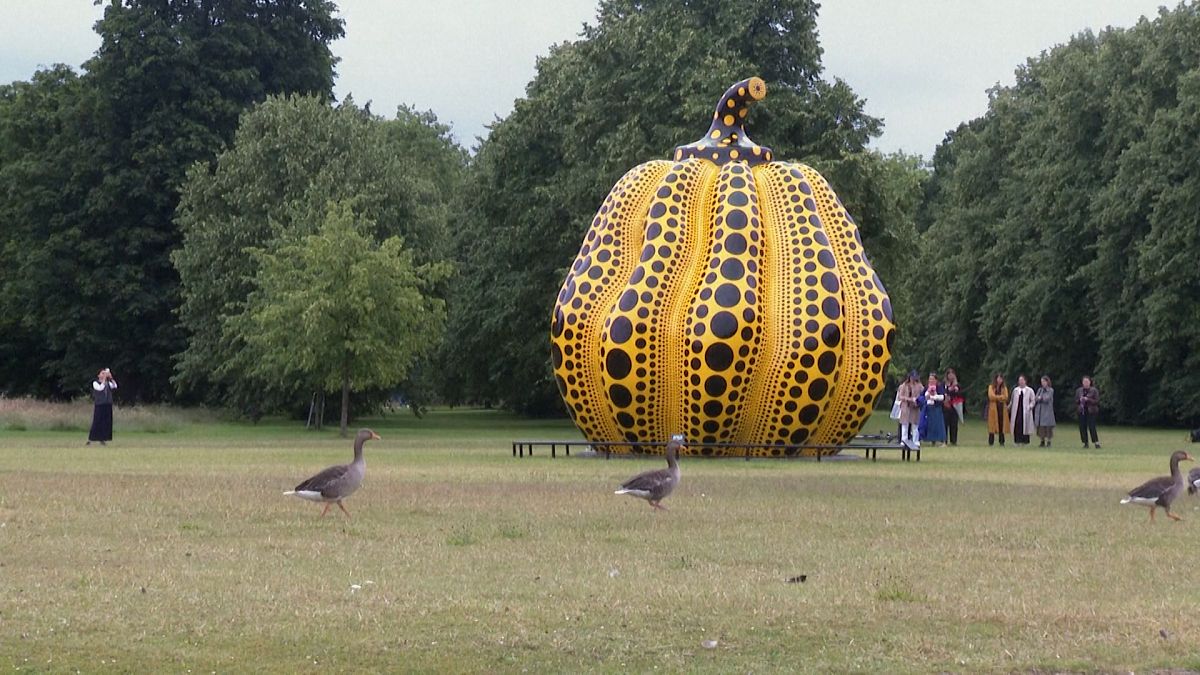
(1025,409)
(930,412)
(933,411)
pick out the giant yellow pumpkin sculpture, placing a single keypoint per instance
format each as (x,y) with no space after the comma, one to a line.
(724,296)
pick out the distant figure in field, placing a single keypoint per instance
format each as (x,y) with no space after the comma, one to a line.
(102,398)
(1043,412)
(1087,402)
(933,425)
(910,410)
(997,401)
(953,405)
(1020,412)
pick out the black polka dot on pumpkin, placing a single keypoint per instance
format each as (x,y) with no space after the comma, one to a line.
(625,420)
(831,335)
(827,363)
(724,324)
(818,388)
(713,408)
(736,219)
(831,308)
(714,385)
(621,330)
(620,396)
(718,356)
(727,295)
(628,300)
(808,414)
(618,364)
(735,243)
(732,269)
(829,282)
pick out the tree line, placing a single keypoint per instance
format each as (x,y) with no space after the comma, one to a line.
(196,211)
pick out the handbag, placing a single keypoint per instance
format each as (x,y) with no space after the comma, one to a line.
(895,408)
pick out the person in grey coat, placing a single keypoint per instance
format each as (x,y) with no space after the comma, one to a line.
(1043,412)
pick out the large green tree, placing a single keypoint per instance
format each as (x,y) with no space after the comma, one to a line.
(290,159)
(93,280)
(336,309)
(1063,232)
(642,79)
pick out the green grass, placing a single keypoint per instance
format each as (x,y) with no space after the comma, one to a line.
(175,552)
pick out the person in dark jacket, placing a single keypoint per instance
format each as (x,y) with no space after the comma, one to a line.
(102,418)
(1087,402)
(954,405)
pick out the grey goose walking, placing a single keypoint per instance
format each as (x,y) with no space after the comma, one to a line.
(1161,491)
(337,482)
(654,486)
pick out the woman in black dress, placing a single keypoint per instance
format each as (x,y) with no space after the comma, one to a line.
(102,420)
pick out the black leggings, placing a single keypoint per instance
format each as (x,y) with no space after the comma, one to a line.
(952,426)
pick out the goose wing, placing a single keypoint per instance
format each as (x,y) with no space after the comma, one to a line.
(1152,489)
(651,482)
(326,481)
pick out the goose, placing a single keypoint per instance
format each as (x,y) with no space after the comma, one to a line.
(1194,481)
(337,482)
(654,486)
(1161,491)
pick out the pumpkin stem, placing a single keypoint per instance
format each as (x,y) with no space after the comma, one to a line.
(726,140)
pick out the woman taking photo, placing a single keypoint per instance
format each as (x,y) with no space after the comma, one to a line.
(102,389)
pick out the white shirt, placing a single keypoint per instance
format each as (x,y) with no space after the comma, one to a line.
(100,387)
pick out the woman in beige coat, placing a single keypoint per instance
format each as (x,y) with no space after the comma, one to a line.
(910,412)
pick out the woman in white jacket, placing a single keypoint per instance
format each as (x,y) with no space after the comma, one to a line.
(1020,412)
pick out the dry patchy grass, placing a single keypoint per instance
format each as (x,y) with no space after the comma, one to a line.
(176,552)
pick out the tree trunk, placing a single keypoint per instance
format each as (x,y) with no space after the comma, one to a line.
(345,399)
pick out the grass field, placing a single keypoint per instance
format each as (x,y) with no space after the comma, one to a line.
(175,552)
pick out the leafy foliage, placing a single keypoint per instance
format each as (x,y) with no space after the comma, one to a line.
(640,81)
(291,158)
(1064,226)
(103,155)
(337,309)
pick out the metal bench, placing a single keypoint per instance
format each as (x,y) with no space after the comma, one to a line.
(870,444)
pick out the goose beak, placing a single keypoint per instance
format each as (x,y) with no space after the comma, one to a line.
(375,436)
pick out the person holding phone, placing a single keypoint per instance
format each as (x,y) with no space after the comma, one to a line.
(102,398)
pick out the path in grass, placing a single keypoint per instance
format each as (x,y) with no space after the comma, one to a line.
(176,551)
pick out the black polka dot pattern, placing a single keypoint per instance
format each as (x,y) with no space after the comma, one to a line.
(795,384)
(639,354)
(726,140)
(592,287)
(723,329)
(867,327)
(724,297)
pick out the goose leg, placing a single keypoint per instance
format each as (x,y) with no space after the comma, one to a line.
(343,508)
(1172,516)
(325,510)
(1152,508)
(658,506)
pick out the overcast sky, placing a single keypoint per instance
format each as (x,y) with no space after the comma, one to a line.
(922,65)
